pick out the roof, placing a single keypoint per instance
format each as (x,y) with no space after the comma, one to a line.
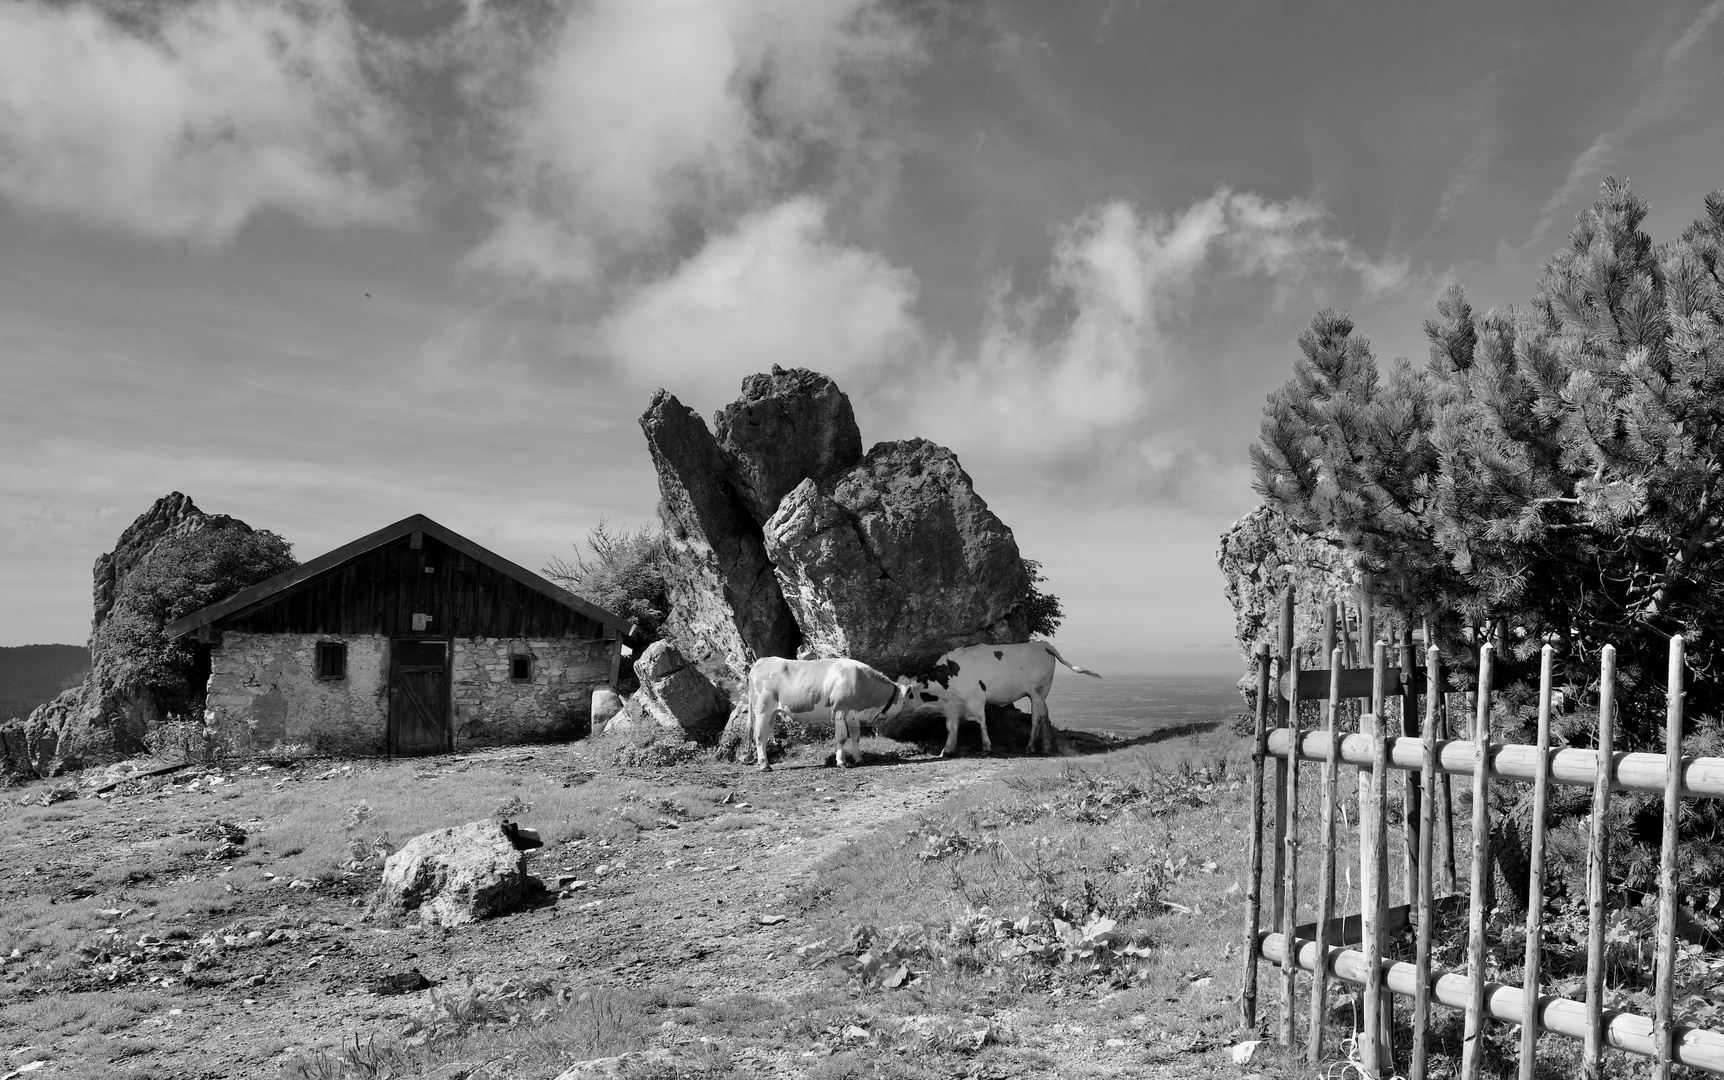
(264,591)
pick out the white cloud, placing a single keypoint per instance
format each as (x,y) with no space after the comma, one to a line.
(1097,368)
(1662,85)
(189,127)
(776,289)
(645,115)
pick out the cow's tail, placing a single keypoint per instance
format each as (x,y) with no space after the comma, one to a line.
(1055,653)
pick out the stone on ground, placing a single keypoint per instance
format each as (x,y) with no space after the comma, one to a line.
(606,704)
(674,694)
(453,876)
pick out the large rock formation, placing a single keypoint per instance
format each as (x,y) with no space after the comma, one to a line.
(897,560)
(725,605)
(109,714)
(1259,556)
(786,427)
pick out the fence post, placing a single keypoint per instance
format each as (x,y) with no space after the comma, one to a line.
(1472,1049)
(1254,897)
(1663,1024)
(1535,875)
(1290,883)
(1425,910)
(1373,878)
(1598,855)
(1410,788)
(1278,852)
(1326,878)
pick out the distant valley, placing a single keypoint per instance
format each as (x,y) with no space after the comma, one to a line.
(32,674)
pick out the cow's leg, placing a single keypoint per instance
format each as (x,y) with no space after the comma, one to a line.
(841,724)
(982,722)
(856,739)
(1041,728)
(954,711)
(765,713)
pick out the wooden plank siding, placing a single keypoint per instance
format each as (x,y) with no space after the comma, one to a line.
(378,592)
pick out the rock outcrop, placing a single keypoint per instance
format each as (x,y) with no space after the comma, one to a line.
(786,427)
(1259,556)
(897,560)
(111,712)
(453,876)
(674,695)
(725,604)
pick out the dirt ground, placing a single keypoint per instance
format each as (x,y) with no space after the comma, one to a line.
(699,905)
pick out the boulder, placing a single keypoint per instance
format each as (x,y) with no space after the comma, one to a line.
(1259,556)
(897,560)
(674,694)
(786,427)
(109,714)
(606,703)
(725,604)
(456,875)
(736,741)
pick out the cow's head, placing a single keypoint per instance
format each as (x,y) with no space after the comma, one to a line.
(916,694)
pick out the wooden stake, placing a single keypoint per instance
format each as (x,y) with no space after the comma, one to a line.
(1535,875)
(1290,883)
(1254,897)
(1326,877)
(1373,853)
(1472,1049)
(1424,905)
(1663,1023)
(1278,851)
(1597,864)
(1410,789)
(1445,806)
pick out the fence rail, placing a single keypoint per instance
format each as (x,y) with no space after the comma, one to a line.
(1316,948)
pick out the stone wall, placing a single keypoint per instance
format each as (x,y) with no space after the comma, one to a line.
(492,708)
(264,694)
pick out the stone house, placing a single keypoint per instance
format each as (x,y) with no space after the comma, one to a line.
(412,640)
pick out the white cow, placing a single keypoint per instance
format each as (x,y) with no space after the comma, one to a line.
(965,681)
(848,690)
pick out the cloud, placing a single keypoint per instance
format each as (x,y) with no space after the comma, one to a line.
(643,117)
(1099,369)
(775,289)
(1658,93)
(189,121)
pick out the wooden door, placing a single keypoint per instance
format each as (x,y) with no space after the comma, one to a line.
(419,720)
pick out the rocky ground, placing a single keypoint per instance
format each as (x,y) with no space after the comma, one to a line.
(699,907)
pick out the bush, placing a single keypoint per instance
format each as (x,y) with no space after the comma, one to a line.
(624,573)
(1044,609)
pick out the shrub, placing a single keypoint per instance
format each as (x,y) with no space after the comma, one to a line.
(624,573)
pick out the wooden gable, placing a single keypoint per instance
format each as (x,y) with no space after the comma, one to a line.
(379,583)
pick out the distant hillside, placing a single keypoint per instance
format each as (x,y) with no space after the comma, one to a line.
(32,674)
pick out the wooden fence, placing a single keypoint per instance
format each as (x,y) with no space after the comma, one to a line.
(1319,949)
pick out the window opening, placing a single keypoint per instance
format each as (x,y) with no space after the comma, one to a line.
(332,660)
(520,667)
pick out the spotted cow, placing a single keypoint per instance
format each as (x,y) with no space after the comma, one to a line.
(965,681)
(846,690)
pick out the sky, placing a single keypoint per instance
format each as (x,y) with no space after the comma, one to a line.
(322,265)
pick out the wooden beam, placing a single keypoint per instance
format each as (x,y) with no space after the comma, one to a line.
(1350,929)
(1695,1047)
(1355,683)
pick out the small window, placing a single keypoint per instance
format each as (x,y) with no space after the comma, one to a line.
(331,660)
(520,668)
